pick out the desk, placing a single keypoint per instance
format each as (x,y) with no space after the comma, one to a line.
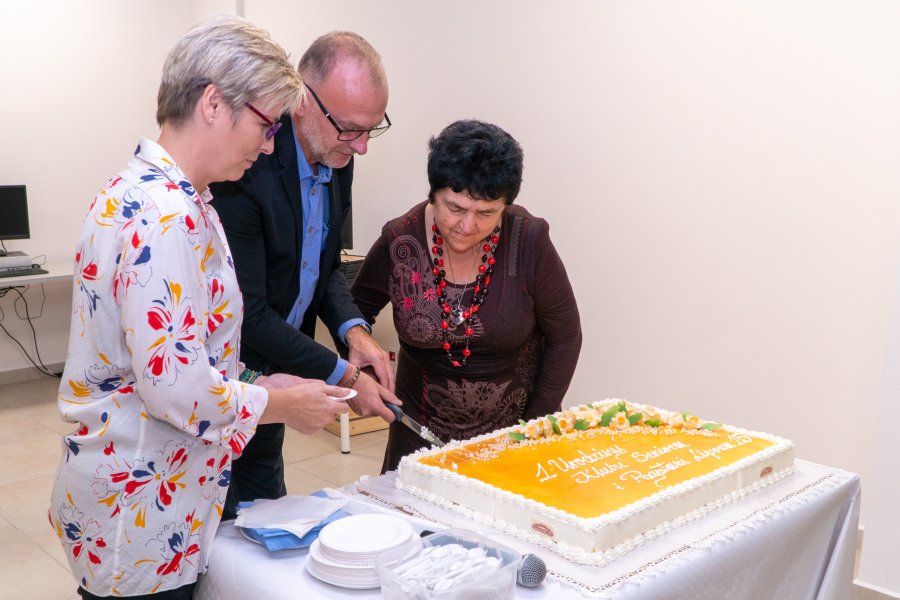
(57,271)
(794,539)
(43,305)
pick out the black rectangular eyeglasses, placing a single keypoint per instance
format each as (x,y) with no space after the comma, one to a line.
(348,135)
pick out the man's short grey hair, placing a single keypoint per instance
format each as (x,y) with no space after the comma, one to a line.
(241,59)
(324,54)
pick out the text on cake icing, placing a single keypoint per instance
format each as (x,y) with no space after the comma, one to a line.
(542,474)
(656,473)
(642,457)
(583,468)
(739,439)
(734,441)
(595,472)
(712,452)
(584,458)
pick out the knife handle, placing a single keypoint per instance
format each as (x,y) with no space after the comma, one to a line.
(394,409)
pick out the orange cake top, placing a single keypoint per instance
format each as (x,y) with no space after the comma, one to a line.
(589,461)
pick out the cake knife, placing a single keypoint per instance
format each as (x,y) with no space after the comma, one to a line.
(421,431)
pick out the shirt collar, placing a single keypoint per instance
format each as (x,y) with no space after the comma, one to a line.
(162,166)
(306,170)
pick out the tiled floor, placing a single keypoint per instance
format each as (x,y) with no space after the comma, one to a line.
(32,564)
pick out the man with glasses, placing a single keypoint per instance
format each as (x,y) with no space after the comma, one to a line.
(283,221)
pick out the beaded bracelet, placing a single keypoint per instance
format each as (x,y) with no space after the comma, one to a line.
(353,379)
(249,376)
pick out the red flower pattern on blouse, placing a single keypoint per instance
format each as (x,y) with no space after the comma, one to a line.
(173,318)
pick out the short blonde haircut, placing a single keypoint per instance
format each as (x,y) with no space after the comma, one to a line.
(241,59)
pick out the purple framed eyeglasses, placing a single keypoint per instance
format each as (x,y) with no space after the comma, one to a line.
(274,126)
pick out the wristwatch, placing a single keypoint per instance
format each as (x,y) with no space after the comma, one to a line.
(365,326)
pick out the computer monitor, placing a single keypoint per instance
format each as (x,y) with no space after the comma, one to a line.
(13,213)
(347,231)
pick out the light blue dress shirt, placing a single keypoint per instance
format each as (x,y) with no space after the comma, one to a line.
(315,214)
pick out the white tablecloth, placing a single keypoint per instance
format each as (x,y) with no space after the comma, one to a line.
(794,539)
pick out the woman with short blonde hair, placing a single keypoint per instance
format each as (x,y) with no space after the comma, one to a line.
(152,382)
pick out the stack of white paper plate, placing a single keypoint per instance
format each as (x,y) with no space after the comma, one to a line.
(344,554)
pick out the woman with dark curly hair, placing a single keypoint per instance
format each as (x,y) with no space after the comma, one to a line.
(488,325)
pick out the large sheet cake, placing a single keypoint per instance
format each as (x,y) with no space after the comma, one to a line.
(594,481)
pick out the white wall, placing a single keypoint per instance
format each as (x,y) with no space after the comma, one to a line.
(79,83)
(878,568)
(721,179)
(720,176)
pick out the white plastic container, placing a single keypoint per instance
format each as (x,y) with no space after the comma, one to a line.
(455,564)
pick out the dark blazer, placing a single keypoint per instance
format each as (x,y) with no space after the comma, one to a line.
(262,217)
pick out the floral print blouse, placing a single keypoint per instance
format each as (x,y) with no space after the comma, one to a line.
(151,383)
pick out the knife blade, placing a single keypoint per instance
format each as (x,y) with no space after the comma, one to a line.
(411,423)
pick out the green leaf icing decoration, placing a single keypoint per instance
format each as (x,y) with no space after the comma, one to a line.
(555,424)
(607,417)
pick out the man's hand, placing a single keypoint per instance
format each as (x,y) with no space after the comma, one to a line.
(302,404)
(282,380)
(370,397)
(366,352)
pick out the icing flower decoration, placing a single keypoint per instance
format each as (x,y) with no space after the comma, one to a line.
(675,420)
(566,422)
(546,426)
(650,414)
(617,415)
(533,430)
(620,421)
(690,421)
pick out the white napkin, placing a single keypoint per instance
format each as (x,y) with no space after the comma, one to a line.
(296,514)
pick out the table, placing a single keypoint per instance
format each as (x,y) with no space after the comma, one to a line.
(793,539)
(56,271)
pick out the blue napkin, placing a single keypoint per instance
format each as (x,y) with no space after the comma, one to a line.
(279,539)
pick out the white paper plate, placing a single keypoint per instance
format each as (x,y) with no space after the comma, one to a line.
(247,535)
(343,581)
(328,563)
(350,394)
(363,535)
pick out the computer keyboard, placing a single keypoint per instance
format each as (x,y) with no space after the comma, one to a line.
(21,271)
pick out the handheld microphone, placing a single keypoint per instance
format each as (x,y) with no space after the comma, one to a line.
(532,572)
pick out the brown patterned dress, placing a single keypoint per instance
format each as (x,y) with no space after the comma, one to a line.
(527,333)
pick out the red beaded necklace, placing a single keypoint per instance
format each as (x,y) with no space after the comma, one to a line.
(459,315)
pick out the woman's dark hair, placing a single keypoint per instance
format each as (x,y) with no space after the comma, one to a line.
(477,158)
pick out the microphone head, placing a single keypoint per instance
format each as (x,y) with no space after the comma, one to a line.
(532,572)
